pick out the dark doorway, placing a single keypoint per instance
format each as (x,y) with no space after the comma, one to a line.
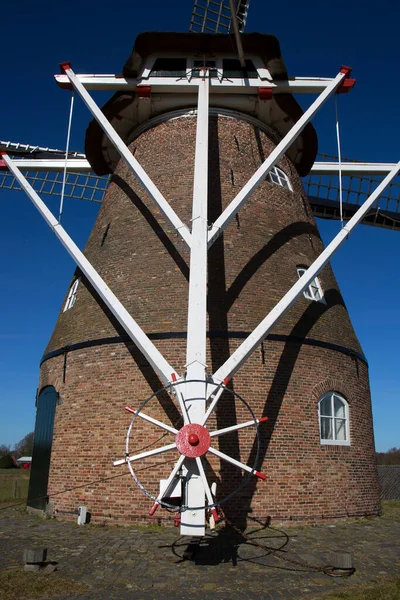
(46,408)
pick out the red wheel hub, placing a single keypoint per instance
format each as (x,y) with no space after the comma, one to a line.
(193,440)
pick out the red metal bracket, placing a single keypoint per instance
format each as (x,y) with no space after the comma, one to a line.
(65,65)
(67,85)
(225,381)
(347,70)
(263,419)
(265,93)
(3,166)
(143,91)
(346,86)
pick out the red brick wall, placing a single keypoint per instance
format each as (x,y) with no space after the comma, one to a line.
(250,268)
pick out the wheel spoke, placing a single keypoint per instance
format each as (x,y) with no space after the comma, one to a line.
(213,403)
(206,487)
(167,485)
(152,420)
(145,454)
(235,427)
(237,463)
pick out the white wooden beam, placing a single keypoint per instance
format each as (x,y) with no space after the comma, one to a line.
(232,209)
(242,353)
(136,333)
(127,156)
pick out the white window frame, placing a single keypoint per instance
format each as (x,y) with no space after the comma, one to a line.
(190,66)
(314,291)
(333,441)
(279,177)
(72,295)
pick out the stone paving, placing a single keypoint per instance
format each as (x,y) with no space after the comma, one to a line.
(118,563)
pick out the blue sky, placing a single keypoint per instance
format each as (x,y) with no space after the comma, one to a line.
(316,38)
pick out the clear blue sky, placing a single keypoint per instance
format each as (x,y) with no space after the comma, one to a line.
(316,38)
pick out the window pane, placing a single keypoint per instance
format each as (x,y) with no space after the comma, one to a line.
(325,407)
(169,67)
(326,428)
(339,407)
(231,68)
(340,429)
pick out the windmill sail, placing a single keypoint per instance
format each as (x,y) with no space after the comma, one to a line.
(323,190)
(209,16)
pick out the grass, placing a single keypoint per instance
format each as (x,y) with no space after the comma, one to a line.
(383,590)
(16,584)
(391,508)
(13,484)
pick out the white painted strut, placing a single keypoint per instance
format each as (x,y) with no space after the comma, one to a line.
(111,82)
(129,159)
(137,335)
(195,388)
(242,353)
(351,168)
(231,210)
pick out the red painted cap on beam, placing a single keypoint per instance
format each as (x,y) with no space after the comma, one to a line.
(346,86)
(153,509)
(65,65)
(260,475)
(347,70)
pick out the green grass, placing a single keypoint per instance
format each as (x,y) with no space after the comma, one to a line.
(13,484)
(391,508)
(384,590)
(17,584)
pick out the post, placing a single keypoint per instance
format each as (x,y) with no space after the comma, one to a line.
(192,522)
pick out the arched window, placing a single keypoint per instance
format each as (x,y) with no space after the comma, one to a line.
(279,177)
(72,295)
(333,414)
(314,290)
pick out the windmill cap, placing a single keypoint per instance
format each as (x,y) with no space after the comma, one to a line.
(120,108)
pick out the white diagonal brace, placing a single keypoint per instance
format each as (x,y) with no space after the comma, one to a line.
(231,210)
(129,159)
(137,335)
(241,354)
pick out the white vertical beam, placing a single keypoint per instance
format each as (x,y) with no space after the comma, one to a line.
(230,211)
(137,335)
(241,354)
(195,391)
(129,159)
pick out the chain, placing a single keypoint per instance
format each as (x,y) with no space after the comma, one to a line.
(327,569)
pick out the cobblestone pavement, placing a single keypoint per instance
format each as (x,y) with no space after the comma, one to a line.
(145,563)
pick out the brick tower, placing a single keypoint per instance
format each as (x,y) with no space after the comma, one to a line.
(309,376)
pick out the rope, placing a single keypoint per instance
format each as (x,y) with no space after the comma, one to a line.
(66,156)
(339,160)
(327,569)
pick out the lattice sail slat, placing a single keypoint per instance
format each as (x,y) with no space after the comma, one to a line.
(210,16)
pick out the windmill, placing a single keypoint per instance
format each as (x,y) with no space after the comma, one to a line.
(235,92)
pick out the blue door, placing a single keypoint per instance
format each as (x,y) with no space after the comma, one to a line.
(44,425)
